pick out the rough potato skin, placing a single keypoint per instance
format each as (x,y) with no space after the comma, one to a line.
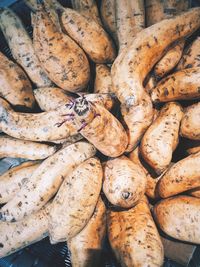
(89,35)
(124,182)
(179,217)
(21,47)
(16,148)
(169,60)
(12,180)
(86,247)
(75,201)
(100,127)
(102,83)
(17,235)
(162,137)
(181,85)
(63,60)
(108,17)
(134,238)
(35,126)
(190,124)
(15,86)
(45,181)
(182,176)
(190,57)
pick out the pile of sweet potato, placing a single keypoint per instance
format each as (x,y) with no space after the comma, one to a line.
(122,161)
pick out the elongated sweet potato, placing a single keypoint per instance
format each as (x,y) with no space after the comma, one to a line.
(181,85)
(124,182)
(86,247)
(75,201)
(35,127)
(12,180)
(15,86)
(64,61)
(108,17)
(89,35)
(169,60)
(21,47)
(161,138)
(16,148)
(190,124)
(134,238)
(99,127)
(179,217)
(87,8)
(17,235)
(191,58)
(51,98)
(45,181)
(103,83)
(182,176)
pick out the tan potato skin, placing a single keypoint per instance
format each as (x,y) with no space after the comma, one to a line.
(51,98)
(190,57)
(190,124)
(128,24)
(12,180)
(194,192)
(124,182)
(87,8)
(179,217)
(16,148)
(35,127)
(17,235)
(63,60)
(151,83)
(169,60)
(89,35)
(103,82)
(162,137)
(21,47)
(134,238)
(108,17)
(182,176)
(45,181)
(100,128)
(181,85)
(15,86)
(86,247)
(70,140)
(75,201)
(193,150)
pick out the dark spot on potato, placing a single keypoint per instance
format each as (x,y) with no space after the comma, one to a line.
(1,245)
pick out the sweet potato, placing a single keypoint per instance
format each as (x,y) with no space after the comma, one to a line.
(51,98)
(87,8)
(161,138)
(169,60)
(108,17)
(193,150)
(194,192)
(63,60)
(134,238)
(35,126)
(191,122)
(45,181)
(181,85)
(15,86)
(17,235)
(179,217)
(103,83)
(182,176)
(86,247)
(89,35)
(191,58)
(75,201)
(124,182)
(151,83)
(99,127)
(16,148)
(12,180)
(21,47)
